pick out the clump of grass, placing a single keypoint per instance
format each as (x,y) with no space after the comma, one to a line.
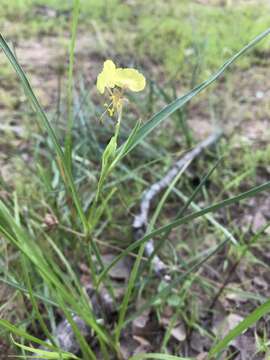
(211,35)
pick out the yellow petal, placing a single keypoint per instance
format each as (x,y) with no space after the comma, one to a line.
(107,76)
(130,79)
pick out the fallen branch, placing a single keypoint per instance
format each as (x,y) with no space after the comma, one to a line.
(140,222)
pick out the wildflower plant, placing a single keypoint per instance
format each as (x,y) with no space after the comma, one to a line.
(115,81)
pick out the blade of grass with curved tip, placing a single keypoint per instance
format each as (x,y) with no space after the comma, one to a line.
(183,220)
(46,124)
(43,354)
(179,102)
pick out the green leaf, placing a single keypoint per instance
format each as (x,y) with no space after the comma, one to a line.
(174,300)
(109,153)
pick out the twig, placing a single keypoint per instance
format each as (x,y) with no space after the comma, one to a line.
(140,222)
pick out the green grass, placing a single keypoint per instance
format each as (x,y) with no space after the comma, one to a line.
(91,202)
(189,39)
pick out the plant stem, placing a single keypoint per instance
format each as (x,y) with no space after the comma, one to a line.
(118,123)
(68,140)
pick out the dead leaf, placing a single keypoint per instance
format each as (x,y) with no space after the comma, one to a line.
(127,346)
(234,295)
(258,222)
(260,283)
(179,332)
(144,345)
(199,342)
(4,195)
(245,344)
(166,316)
(139,325)
(202,356)
(50,221)
(121,269)
(223,326)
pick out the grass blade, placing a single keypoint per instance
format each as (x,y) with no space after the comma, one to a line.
(26,291)
(43,354)
(183,220)
(166,291)
(63,291)
(240,328)
(16,330)
(74,26)
(46,124)
(179,102)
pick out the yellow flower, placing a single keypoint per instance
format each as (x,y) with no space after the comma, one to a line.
(112,76)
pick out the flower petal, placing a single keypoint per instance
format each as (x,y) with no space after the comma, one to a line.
(129,78)
(107,76)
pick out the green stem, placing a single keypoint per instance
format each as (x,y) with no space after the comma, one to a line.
(74,26)
(117,126)
(94,208)
(105,172)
